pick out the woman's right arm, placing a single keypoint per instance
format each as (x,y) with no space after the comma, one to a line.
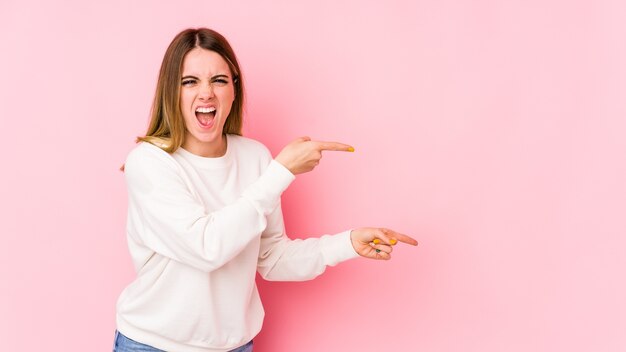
(166,217)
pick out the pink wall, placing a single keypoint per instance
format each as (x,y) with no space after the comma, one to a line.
(492,131)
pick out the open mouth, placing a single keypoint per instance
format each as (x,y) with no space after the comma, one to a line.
(205,116)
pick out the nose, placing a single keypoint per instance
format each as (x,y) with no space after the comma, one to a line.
(206,91)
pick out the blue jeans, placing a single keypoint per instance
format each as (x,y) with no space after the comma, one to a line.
(124,344)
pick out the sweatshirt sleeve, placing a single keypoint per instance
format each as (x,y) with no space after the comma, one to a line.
(168,218)
(284,259)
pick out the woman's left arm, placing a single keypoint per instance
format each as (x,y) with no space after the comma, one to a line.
(284,259)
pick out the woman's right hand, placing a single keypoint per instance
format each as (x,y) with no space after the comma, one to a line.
(303,155)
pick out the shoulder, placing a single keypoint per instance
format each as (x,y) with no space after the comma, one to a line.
(148,160)
(249,147)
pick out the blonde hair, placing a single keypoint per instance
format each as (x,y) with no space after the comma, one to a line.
(167,126)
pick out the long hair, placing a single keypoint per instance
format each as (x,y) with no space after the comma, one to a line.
(167,125)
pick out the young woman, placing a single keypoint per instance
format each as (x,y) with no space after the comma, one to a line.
(204,212)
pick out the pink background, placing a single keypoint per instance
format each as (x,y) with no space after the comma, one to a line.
(492,131)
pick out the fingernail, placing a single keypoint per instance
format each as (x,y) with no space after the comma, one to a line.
(393,241)
(351,149)
(376,241)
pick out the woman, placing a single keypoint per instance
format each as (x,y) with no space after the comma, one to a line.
(204,212)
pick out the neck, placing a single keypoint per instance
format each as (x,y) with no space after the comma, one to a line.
(213,150)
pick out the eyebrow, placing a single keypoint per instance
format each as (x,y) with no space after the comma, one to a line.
(214,77)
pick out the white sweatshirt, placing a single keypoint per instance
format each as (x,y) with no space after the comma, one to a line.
(198,230)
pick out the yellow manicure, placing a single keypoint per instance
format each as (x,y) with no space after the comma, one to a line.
(393,241)
(376,241)
(351,149)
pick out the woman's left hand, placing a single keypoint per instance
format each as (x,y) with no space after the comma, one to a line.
(376,243)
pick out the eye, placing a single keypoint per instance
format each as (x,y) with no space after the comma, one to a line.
(188,82)
(220,81)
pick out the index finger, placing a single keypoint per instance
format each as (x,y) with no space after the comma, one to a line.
(334,146)
(401,237)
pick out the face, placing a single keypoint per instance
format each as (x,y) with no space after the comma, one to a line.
(206,96)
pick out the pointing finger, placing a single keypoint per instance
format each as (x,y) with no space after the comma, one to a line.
(400,237)
(334,146)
